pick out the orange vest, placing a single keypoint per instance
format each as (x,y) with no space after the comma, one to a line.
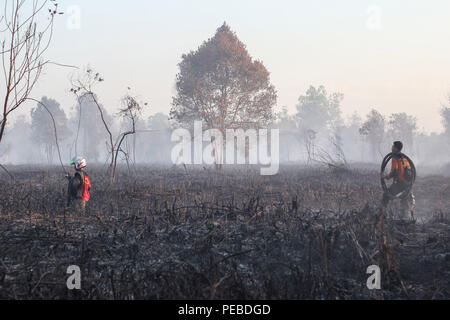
(398,168)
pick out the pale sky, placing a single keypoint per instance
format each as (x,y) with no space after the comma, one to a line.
(389,55)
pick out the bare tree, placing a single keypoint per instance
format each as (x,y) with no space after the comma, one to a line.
(83,87)
(310,144)
(23,45)
(129,112)
(319,155)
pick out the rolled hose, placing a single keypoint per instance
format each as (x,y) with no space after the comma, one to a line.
(409,186)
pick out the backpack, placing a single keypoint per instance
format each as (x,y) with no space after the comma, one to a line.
(407,171)
(76,185)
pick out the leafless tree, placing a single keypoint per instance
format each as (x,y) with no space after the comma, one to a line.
(130,112)
(310,137)
(318,155)
(25,38)
(83,87)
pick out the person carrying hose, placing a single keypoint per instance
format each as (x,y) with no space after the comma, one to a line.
(401,172)
(79,186)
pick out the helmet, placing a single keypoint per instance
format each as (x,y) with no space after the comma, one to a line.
(79,162)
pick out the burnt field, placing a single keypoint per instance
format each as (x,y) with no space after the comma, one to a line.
(199,234)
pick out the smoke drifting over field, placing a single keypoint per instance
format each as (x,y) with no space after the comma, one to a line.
(316,135)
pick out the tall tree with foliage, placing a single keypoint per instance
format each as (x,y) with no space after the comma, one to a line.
(43,130)
(319,116)
(403,127)
(374,130)
(86,129)
(319,111)
(223,86)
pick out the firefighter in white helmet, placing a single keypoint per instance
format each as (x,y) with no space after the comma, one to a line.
(79,185)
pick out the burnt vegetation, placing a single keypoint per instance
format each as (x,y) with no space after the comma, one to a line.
(184,233)
(155,232)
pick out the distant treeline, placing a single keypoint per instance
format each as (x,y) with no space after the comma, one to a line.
(316,133)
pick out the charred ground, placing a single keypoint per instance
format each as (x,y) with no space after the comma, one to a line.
(199,234)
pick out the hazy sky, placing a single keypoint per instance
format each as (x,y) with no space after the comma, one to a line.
(390,55)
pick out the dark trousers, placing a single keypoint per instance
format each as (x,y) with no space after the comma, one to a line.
(78,206)
(407,200)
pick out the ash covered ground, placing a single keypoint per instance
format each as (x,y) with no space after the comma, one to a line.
(162,233)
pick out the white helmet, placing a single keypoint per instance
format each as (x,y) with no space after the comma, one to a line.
(79,162)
